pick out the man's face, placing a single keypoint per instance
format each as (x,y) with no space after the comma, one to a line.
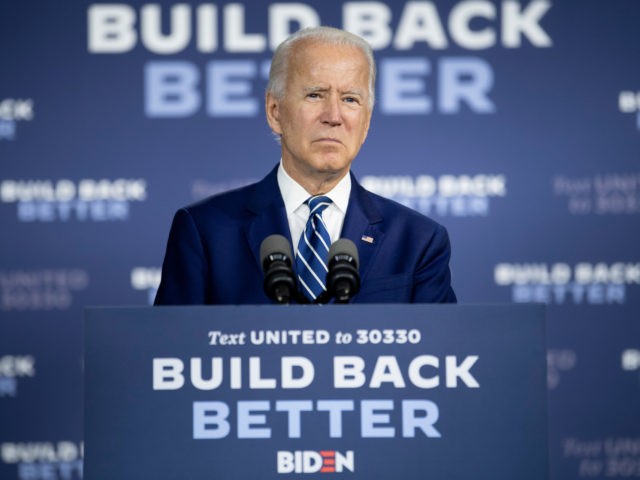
(324,116)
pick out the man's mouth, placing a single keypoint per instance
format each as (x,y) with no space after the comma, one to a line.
(328,139)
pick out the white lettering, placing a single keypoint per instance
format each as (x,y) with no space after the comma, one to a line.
(517,23)
(282,15)
(460,28)
(167,374)
(111,28)
(235,38)
(151,29)
(370,20)
(420,22)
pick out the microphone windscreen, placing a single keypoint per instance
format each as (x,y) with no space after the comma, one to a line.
(274,244)
(344,246)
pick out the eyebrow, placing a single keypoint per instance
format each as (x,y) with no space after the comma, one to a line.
(315,89)
(357,92)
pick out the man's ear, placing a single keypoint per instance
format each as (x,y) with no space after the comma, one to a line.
(272,107)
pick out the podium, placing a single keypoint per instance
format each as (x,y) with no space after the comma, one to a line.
(366,392)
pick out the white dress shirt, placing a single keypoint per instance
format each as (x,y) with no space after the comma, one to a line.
(294,197)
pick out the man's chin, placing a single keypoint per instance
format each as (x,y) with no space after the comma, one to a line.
(333,168)
(331,161)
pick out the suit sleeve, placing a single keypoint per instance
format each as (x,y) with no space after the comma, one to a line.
(184,278)
(432,282)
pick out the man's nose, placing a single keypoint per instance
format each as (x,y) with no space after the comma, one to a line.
(332,113)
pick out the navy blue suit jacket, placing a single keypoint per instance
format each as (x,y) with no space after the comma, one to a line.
(213,251)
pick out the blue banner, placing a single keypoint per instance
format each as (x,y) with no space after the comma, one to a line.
(271,392)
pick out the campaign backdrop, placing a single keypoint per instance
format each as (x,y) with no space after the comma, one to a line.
(515,124)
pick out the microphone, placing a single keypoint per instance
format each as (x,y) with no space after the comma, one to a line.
(275,257)
(343,279)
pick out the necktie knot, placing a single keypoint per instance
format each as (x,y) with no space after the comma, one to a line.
(317,204)
(313,249)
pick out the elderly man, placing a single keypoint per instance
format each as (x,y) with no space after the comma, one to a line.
(319,102)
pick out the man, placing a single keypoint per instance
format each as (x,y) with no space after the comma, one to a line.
(319,102)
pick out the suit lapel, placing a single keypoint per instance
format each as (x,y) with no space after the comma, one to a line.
(269,215)
(361,225)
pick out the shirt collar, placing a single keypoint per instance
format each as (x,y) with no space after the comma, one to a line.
(294,195)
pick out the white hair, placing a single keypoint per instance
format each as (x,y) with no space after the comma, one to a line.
(328,35)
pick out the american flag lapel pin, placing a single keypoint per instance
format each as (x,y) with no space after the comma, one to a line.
(367,238)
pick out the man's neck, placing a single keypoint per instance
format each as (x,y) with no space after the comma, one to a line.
(318,183)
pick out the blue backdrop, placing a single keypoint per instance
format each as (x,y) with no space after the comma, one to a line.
(516,124)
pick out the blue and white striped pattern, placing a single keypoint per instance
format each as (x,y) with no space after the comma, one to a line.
(313,249)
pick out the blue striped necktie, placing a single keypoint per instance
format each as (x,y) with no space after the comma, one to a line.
(313,249)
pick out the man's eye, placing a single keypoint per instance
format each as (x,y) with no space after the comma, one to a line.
(350,99)
(313,95)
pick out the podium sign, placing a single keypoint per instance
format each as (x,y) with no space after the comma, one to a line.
(369,392)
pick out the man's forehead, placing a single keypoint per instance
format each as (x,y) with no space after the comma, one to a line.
(349,61)
(308,50)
